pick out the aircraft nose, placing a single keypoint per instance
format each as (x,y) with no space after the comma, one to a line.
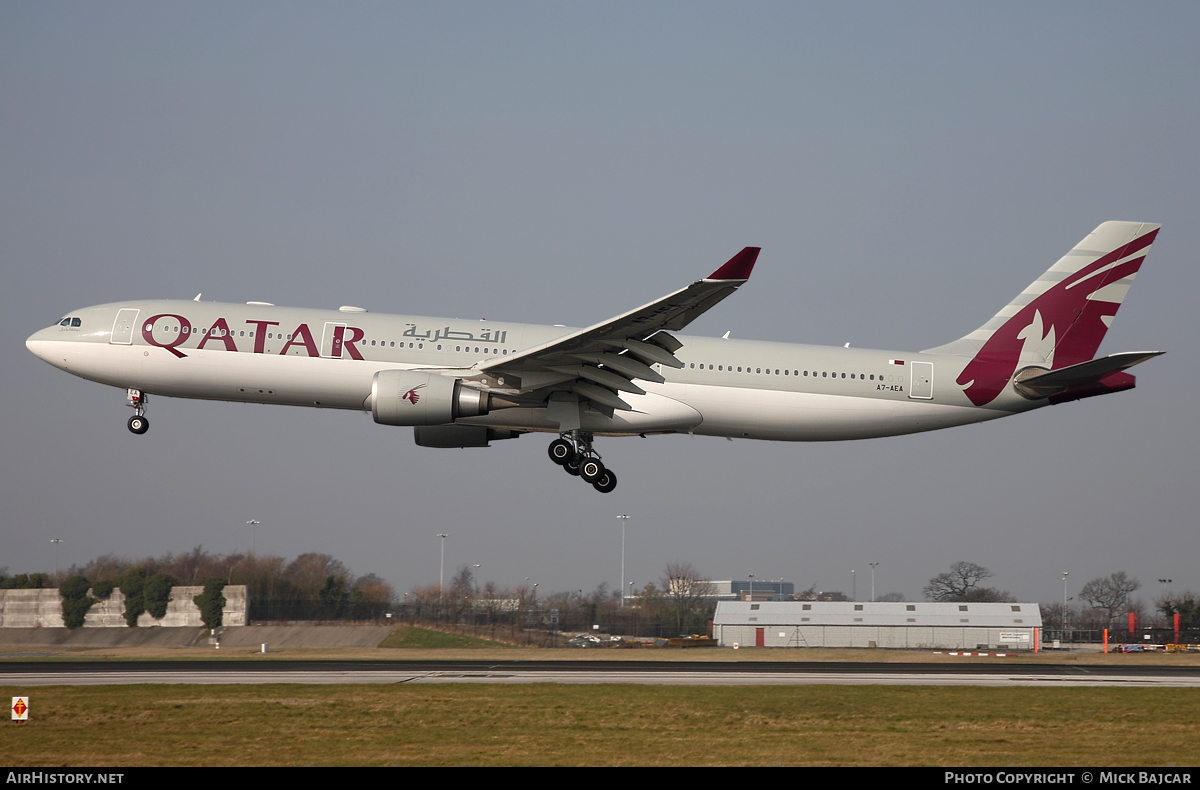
(39,343)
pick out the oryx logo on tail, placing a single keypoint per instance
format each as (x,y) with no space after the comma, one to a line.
(1060,319)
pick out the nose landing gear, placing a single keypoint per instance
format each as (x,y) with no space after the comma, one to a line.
(137,423)
(573,452)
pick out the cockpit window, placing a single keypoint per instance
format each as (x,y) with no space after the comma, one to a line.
(65,322)
(76,322)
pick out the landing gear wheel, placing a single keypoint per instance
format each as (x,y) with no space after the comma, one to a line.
(606,483)
(561,451)
(572,467)
(591,470)
(139,424)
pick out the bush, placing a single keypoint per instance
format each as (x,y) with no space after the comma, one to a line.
(133,583)
(103,590)
(75,601)
(211,603)
(157,594)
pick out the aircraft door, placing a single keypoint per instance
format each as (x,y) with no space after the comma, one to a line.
(332,340)
(922,381)
(122,331)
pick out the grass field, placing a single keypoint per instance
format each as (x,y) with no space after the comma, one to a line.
(409,636)
(603,725)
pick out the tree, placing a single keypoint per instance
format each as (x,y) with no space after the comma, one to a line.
(333,597)
(1186,604)
(211,602)
(75,601)
(685,592)
(157,594)
(132,583)
(1110,594)
(962,585)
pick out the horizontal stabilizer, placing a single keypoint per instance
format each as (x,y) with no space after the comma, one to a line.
(1034,383)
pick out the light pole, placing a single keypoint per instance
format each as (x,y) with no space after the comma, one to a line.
(853,585)
(1063,625)
(477,566)
(56,541)
(624,521)
(442,568)
(873,564)
(751,586)
(252,523)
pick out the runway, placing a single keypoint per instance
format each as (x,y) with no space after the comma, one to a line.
(92,673)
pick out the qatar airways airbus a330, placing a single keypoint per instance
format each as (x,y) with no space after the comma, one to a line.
(465,383)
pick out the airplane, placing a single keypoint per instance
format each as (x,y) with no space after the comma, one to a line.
(461,383)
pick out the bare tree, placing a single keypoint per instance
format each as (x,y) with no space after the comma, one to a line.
(1110,594)
(962,584)
(685,591)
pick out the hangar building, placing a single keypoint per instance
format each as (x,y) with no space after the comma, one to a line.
(932,625)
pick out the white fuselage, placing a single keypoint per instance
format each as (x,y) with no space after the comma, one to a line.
(328,359)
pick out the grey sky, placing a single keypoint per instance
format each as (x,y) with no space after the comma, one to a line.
(907,169)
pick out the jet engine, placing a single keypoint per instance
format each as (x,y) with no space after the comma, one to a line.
(405,397)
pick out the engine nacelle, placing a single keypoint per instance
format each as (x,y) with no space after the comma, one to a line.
(459,435)
(404,397)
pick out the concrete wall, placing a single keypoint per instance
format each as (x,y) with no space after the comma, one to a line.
(43,609)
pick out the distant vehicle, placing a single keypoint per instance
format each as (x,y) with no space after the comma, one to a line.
(584,640)
(467,383)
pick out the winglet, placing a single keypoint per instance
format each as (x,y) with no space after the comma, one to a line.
(738,267)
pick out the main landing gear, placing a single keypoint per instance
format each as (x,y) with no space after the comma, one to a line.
(573,452)
(138,423)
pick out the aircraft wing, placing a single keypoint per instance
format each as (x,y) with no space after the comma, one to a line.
(607,358)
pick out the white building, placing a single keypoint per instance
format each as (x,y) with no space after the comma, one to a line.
(921,625)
